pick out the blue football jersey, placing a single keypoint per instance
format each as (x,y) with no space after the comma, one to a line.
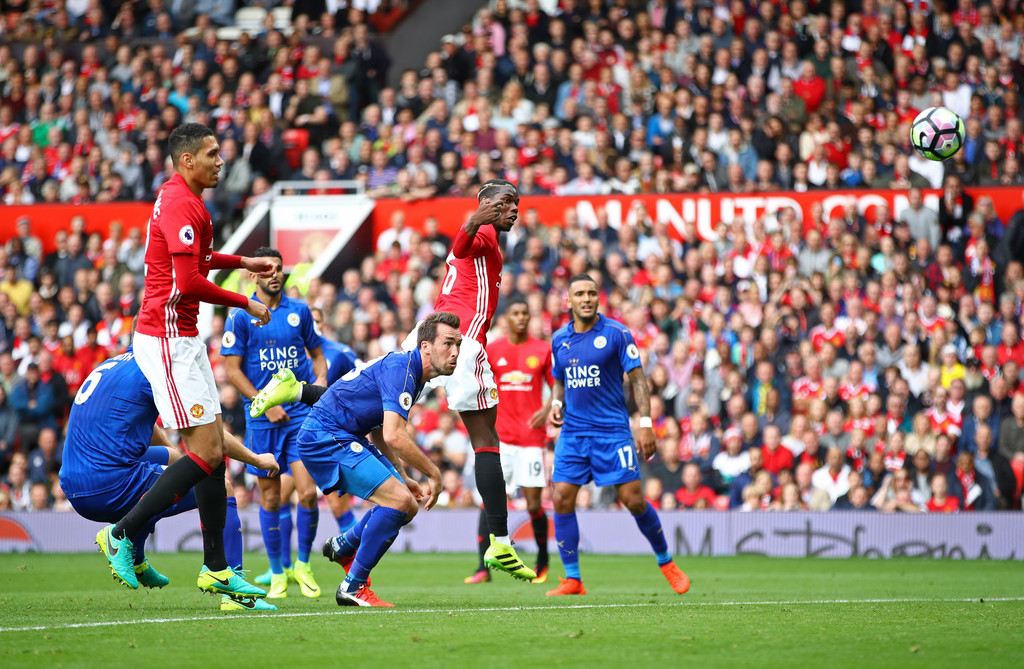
(341,359)
(110,426)
(357,402)
(591,365)
(279,344)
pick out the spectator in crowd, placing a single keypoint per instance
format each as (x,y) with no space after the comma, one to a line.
(44,459)
(33,400)
(17,485)
(1011,432)
(833,477)
(694,494)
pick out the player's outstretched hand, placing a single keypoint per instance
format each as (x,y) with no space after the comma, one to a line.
(538,419)
(265,267)
(646,442)
(277,415)
(556,415)
(434,483)
(259,311)
(415,489)
(267,462)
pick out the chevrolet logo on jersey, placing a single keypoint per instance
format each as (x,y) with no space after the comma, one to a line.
(582,376)
(279,357)
(516,376)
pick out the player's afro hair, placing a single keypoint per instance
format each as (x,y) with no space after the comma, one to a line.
(491,188)
(187,138)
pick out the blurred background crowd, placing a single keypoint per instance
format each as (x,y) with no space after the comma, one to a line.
(823,362)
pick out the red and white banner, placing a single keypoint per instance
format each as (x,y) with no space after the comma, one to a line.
(706,210)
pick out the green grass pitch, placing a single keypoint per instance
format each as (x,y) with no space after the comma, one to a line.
(740,612)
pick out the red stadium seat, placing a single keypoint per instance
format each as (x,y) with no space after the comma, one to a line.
(296,140)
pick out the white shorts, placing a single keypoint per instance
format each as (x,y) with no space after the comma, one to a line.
(523,467)
(471,387)
(179,371)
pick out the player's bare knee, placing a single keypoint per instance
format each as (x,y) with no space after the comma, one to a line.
(533,507)
(270,500)
(564,502)
(308,499)
(406,503)
(635,503)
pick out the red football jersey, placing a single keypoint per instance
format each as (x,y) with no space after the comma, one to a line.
(521,372)
(179,224)
(820,334)
(951,505)
(806,389)
(849,391)
(470,288)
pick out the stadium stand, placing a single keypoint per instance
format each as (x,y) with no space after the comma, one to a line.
(800,364)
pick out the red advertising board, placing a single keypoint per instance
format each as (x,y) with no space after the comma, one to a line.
(47,219)
(706,210)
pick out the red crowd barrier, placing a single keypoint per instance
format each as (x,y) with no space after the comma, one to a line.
(47,219)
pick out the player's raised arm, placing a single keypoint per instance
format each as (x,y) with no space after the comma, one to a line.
(192,284)
(467,244)
(396,435)
(645,440)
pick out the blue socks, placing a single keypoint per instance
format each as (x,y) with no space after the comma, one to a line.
(233,535)
(270,525)
(650,525)
(380,531)
(286,536)
(346,521)
(348,542)
(567,534)
(307,521)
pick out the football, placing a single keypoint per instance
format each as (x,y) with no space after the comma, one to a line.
(937,133)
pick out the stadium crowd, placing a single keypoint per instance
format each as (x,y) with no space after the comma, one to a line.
(798,364)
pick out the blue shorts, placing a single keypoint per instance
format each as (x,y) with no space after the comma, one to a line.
(124,488)
(344,462)
(281,441)
(605,460)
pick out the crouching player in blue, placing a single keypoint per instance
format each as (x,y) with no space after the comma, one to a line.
(109,464)
(590,355)
(374,399)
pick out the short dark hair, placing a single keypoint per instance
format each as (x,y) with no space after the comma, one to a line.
(428,328)
(581,277)
(492,186)
(515,301)
(267,252)
(187,138)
